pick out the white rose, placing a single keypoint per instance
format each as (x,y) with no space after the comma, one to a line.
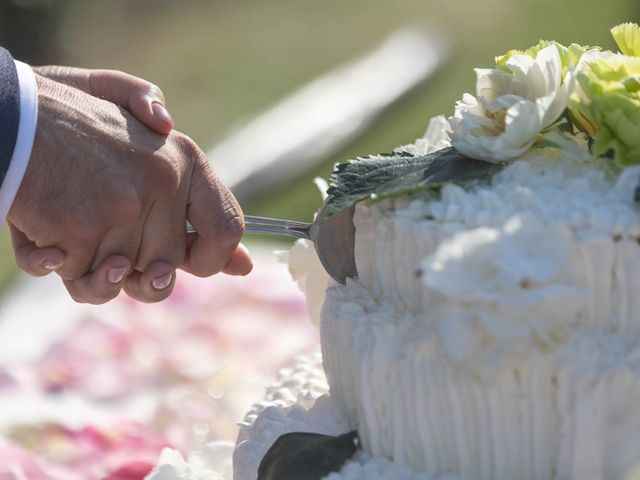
(511,109)
(435,138)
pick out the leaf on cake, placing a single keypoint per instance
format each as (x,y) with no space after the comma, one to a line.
(390,175)
(307,456)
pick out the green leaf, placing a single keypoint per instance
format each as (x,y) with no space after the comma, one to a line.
(307,456)
(390,175)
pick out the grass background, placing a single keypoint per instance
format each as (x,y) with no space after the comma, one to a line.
(220,62)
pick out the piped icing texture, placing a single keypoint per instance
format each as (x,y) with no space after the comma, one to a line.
(493,331)
(296,403)
(315,412)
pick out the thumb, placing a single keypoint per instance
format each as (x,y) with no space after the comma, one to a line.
(143,99)
(140,97)
(240,262)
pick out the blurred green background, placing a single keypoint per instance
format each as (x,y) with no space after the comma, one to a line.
(219,62)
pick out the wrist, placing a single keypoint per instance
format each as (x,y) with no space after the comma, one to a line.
(35,173)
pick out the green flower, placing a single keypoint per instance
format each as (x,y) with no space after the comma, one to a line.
(609,98)
(627,37)
(569,56)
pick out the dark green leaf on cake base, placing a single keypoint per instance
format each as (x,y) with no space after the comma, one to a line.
(307,456)
(389,175)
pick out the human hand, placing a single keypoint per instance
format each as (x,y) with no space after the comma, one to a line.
(89,222)
(141,98)
(146,102)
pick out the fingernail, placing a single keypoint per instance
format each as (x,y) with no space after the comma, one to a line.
(51,265)
(161,112)
(117,274)
(162,282)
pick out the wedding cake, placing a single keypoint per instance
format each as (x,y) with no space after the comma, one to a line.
(493,329)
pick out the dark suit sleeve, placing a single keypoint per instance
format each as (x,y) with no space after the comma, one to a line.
(9,110)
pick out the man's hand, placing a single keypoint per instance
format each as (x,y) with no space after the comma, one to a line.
(141,98)
(114,197)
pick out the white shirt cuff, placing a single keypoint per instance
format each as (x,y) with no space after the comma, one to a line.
(24,140)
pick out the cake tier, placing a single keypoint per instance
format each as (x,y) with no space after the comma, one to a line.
(492,332)
(553,235)
(298,402)
(565,413)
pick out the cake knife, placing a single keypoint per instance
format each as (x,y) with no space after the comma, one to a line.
(333,237)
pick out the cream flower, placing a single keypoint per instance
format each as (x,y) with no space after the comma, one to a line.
(511,108)
(435,138)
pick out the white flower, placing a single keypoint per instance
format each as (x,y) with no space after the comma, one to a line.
(435,138)
(511,109)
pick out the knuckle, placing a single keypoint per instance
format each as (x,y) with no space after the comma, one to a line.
(74,292)
(26,267)
(154,91)
(34,270)
(231,227)
(188,149)
(114,75)
(112,72)
(22,261)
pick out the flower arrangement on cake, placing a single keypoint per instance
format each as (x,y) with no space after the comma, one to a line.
(492,331)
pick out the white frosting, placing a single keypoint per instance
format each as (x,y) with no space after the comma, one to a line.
(212,462)
(296,403)
(367,467)
(492,332)
(273,418)
(305,268)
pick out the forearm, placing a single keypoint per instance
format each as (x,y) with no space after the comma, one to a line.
(18,117)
